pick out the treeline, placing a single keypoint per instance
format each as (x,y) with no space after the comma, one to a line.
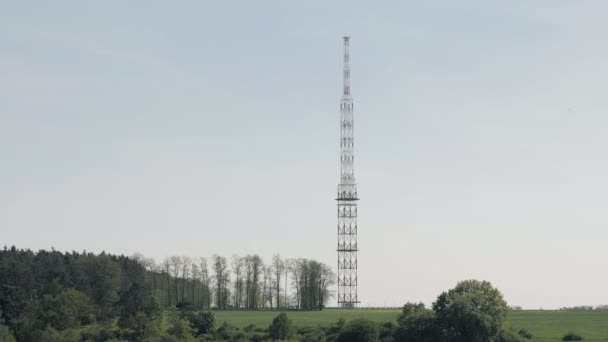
(51,289)
(584,308)
(240,283)
(471,311)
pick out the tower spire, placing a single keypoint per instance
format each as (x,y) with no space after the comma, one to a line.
(347,198)
(346,66)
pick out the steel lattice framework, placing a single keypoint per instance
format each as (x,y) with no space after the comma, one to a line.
(347,198)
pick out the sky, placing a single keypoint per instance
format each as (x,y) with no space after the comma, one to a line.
(205,127)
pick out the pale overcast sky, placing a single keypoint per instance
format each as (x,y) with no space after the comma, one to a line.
(212,127)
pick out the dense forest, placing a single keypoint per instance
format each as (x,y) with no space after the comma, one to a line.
(47,292)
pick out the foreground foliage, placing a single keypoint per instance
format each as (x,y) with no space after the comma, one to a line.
(52,296)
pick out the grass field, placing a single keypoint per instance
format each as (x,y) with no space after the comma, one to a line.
(552,325)
(545,325)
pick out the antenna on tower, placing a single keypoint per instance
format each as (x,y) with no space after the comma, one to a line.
(346,65)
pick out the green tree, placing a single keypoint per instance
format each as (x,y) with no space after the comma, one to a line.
(140,326)
(359,330)
(50,334)
(103,282)
(473,311)
(28,325)
(281,328)
(416,323)
(67,309)
(142,320)
(5,334)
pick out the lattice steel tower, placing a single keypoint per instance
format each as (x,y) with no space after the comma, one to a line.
(347,198)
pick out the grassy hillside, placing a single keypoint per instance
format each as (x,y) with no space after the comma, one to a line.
(545,325)
(552,325)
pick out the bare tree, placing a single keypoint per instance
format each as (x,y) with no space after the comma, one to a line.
(195,270)
(256,270)
(222,278)
(267,289)
(282,283)
(278,266)
(176,262)
(327,278)
(186,263)
(167,272)
(286,269)
(237,269)
(248,280)
(294,269)
(205,290)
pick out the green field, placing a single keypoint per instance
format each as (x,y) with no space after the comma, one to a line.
(552,325)
(545,325)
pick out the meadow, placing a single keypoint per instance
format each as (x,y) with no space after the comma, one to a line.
(545,325)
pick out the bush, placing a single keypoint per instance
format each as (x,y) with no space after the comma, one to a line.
(281,328)
(525,334)
(182,330)
(508,335)
(571,336)
(359,330)
(313,336)
(202,322)
(333,329)
(387,330)
(226,331)
(340,323)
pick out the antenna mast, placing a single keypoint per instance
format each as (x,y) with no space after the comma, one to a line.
(347,197)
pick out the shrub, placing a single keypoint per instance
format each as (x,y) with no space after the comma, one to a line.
(508,335)
(281,328)
(525,334)
(571,336)
(182,330)
(340,323)
(333,329)
(359,330)
(314,336)
(387,330)
(202,322)
(226,331)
